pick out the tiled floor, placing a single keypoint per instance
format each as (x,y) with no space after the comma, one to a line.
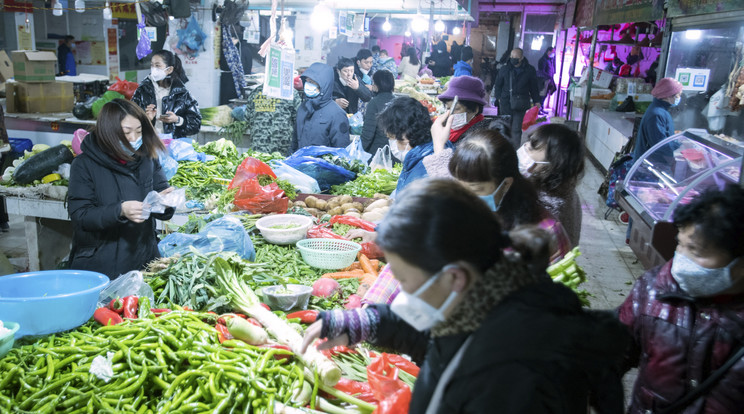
(609,263)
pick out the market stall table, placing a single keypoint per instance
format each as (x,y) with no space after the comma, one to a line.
(51,218)
(606,133)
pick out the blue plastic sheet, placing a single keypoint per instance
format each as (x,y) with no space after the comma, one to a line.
(168,164)
(319,151)
(225,234)
(182,150)
(323,171)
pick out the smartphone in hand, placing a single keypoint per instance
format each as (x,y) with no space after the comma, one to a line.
(454,104)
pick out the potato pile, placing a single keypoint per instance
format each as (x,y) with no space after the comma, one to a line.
(345,205)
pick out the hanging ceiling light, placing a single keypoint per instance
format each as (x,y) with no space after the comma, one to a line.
(419,23)
(439,26)
(322,18)
(407,33)
(27,27)
(387,26)
(107,12)
(57,9)
(79,6)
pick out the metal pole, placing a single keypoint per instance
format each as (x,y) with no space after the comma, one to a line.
(590,76)
(577,48)
(559,111)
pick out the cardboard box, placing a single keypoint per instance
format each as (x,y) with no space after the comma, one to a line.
(601,79)
(33,66)
(6,67)
(39,97)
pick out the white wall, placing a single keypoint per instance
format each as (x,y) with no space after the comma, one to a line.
(303,29)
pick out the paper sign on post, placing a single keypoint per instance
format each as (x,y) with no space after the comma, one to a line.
(279,77)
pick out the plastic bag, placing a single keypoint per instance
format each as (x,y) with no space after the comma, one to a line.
(302,182)
(77,140)
(182,150)
(168,164)
(191,39)
(383,159)
(253,197)
(530,117)
(131,283)
(393,395)
(319,150)
(357,152)
(124,87)
(356,123)
(353,221)
(361,390)
(143,46)
(225,234)
(156,203)
(324,172)
(64,170)
(107,97)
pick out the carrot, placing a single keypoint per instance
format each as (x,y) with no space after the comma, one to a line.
(367,265)
(367,281)
(351,274)
(354,266)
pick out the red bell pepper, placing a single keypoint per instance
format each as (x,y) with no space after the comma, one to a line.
(222,333)
(306,316)
(116,305)
(130,306)
(106,316)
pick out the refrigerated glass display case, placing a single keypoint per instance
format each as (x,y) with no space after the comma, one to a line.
(672,173)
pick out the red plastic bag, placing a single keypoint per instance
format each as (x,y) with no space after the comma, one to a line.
(124,87)
(361,390)
(252,196)
(394,395)
(530,117)
(353,221)
(403,364)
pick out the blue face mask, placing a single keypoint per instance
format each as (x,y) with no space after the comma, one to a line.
(489,199)
(311,90)
(367,80)
(677,101)
(136,145)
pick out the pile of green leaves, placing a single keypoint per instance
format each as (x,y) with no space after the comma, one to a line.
(354,166)
(190,280)
(286,186)
(222,149)
(234,131)
(263,156)
(367,185)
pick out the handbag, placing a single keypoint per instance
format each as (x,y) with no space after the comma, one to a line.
(688,399)
(517,102)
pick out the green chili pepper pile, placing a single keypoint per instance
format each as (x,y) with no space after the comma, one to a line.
(169,364)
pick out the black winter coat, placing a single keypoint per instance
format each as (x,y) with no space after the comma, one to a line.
(102,240)
(536,352)
(179,101)
(525,83)
(351,95)
(373,135)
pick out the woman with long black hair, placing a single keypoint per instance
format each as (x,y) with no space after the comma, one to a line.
(165,99)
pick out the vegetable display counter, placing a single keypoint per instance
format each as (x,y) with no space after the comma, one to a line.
(49,230)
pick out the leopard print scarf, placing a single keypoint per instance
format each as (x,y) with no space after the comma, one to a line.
(505,277)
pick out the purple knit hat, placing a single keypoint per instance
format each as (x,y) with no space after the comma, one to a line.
(466,88)
(666,88)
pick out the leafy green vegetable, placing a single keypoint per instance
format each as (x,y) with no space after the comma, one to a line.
(355,166)
(285,226)
(234,131)
(367,185)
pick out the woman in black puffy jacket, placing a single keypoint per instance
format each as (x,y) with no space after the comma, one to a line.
(165,99)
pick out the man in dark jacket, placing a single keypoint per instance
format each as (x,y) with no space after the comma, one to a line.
(178,101)
(515,86)
(373,135)
(319,120)
(545,73)
(103,240)
(440,61)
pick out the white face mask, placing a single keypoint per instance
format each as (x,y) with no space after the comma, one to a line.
(397,153)
(459,120)
(526,162)
(416,311)
(157,74)
(699,281)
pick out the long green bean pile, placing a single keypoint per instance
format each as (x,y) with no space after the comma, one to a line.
(169,364)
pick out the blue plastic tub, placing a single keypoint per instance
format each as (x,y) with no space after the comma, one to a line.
(49,301)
